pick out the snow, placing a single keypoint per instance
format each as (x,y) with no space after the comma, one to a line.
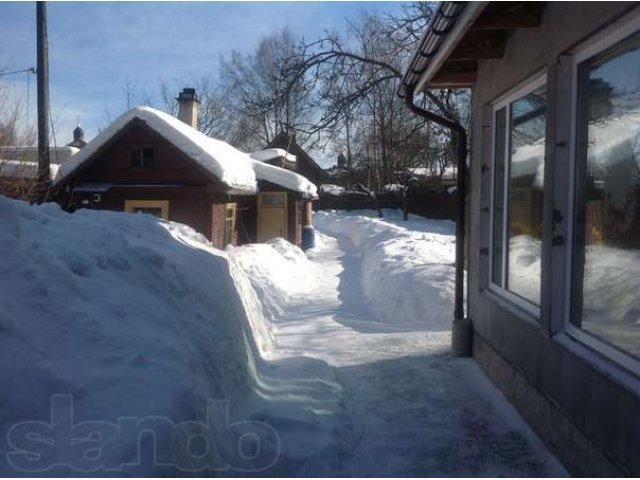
(529,160)
(57,155)
(407,267)
(393,187)
(269,154)
(410,409)
(332,189)
(230,165)
(284,178)
(611,308)
(133,318)
(525,253)
(129,316)
(23,169)
(449,172)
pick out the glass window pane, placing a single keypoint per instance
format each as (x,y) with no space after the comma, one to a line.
(136,158)
(608,247)
(148,157)
(498,198)
(526,182)
(155,211)
(273,199)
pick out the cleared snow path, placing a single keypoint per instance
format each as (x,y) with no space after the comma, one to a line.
(411,408)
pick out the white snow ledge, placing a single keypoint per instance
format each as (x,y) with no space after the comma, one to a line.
(269,154)
(285,178)
(230,165)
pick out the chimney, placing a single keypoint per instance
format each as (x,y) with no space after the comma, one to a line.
(188,107)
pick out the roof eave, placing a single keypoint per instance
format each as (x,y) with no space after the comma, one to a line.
(462,25)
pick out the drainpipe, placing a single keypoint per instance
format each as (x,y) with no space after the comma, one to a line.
(462,330)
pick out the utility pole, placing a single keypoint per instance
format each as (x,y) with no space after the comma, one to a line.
(44,163)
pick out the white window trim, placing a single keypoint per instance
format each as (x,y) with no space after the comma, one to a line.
(536,81)
(615,34)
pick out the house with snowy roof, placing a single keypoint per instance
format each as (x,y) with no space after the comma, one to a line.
(552,306)
(295,158)
(152,162)
(283,205)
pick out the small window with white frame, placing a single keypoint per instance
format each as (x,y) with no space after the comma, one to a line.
(520,121)
(605,257)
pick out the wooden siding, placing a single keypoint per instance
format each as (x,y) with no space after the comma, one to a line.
(192,192)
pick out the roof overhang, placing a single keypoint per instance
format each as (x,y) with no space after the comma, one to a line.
(460,35)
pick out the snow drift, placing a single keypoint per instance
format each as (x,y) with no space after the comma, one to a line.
(408,267)
(110,317)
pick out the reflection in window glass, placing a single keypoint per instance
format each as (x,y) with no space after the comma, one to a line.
(520,139)
(607,253)
(155,211)
(526,181)
(498,202)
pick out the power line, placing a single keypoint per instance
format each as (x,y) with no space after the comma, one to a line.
(26,70)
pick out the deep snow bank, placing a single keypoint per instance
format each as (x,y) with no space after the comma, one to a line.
(109,315)
(407,267)
(278,270)
(124,324)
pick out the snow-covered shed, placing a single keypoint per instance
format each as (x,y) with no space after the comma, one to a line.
(281,208)
(554,212)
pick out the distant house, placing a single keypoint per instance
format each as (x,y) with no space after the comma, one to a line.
(554,212)
(303,163)
(149,161)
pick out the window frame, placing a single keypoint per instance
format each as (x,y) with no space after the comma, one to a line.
(529,85)
(129,205)
(608,41)
(142,148)
(229,207)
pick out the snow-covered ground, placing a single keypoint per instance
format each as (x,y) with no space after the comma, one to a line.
(410,408)
(123,336)
(113,325)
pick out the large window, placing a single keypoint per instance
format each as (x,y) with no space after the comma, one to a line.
(606,253)
(519,153)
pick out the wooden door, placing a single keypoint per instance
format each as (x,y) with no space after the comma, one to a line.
(272,215)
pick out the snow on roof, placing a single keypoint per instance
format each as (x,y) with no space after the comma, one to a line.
(228,164)
(449,172)
(332,189)
(393,187)
(284,178)
(57,155)
(269,154)
(23,169)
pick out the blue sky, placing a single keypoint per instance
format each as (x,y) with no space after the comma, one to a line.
(94,46)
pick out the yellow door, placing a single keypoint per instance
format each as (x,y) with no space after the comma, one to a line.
(272,215)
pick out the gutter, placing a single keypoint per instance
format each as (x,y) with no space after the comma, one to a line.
(450,22)
(462,333)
